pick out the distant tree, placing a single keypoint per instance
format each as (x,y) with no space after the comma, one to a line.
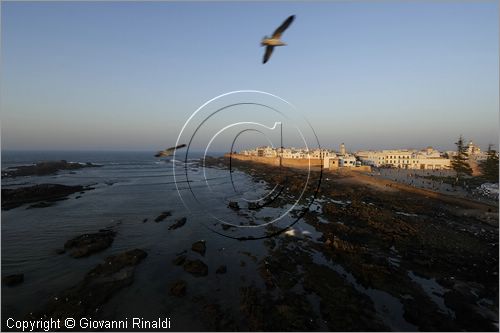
(460,162)
(489,167)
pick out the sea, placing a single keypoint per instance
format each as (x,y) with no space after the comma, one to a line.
(128,188)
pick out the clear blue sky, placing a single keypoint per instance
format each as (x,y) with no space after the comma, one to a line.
(127,75)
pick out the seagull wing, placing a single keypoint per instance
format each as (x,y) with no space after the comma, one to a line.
(164,153)
(169,151)
(278,32)
(267,55)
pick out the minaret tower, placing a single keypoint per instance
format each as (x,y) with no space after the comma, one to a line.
(342,149)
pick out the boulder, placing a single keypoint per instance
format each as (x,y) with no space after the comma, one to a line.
(196,267)
(234,205)
(253,206)
(199,247)
(179,260)
(162,216)
(87,244)
(179,223)
(178,288)
(222,269)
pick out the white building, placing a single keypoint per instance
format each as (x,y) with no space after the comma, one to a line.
(330,158)
(347,161)
(322,153)
(427,158)
(396,158)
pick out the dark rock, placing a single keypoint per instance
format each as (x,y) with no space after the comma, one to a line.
(179,223)
(115,263)
(97,287)
(12,280)
(196,267)
(253,206)
(234,205)
(163,216)
(290,312)
(12,198)
(60,251)
(42,204)
(341,305)
(266,275)
(251,256)
(469,316)
(222,269)
(217,319)
(178,288)
(340,244)
(44,168)
(87,244)
(199,247)
(226,226)
(179,260)
(145,220)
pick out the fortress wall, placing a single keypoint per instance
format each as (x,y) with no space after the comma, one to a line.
(315,163)
(287,162)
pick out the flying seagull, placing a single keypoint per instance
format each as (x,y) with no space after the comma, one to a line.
(275,38)
(169,151)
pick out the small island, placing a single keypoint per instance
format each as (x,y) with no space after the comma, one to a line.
(44,195)
(44,168)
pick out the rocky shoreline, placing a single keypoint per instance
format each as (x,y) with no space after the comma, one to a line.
(439,268)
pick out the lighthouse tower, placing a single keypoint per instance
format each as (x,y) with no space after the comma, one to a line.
(342,149)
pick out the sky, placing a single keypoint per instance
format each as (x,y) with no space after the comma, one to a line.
(127,75)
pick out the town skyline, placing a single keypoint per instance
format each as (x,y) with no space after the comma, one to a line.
(467,143)
(427,158)
(333,147)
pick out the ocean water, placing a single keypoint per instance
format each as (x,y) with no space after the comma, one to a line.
(128,187)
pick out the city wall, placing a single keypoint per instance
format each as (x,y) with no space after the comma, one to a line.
(286,162)
(315,163)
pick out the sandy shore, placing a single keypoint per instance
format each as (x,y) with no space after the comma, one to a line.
(389,185)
